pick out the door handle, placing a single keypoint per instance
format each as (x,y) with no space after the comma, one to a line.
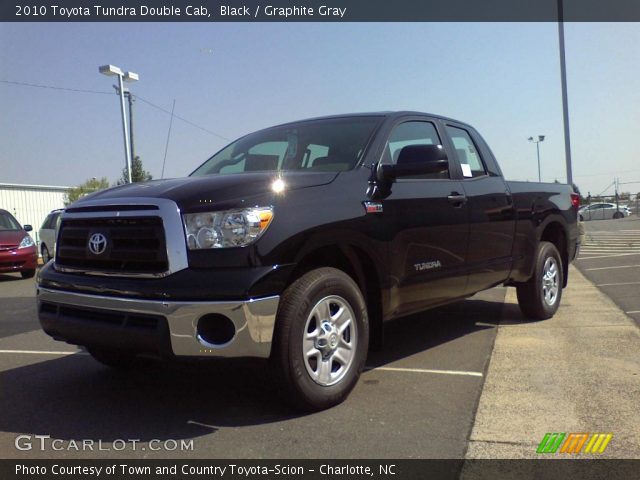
(456,199)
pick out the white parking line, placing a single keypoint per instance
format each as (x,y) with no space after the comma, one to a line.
(212,427)
(608,268)
(42,352)
(605,256)
(633,311)
(617,284)
(425,370)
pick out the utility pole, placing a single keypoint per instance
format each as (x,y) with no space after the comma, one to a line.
(565,101)
(131,99)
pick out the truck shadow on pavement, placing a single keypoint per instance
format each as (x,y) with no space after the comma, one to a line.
(74,397)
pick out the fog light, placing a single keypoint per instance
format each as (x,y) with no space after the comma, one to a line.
(215,330)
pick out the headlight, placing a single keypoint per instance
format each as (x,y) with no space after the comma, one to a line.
(26,242)
(230,228)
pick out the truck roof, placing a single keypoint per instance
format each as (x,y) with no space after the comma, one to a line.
(388,114)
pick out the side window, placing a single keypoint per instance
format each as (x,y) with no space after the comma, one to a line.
(316,152)
(46,222)
(54,221)
(466,152)
(412,133)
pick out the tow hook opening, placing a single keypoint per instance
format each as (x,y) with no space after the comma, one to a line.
(215,330)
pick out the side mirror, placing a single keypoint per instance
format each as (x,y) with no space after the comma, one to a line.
(417,160)
(27,228)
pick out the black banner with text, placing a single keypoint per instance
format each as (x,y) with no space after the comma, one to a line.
(320,11)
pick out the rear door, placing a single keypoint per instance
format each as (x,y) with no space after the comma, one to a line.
(491,211)
(426,217)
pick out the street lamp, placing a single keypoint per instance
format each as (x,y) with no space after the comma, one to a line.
(113,71)
(537,142)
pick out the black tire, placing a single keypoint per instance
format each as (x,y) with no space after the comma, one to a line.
(45,254)
(28,273)
(113,358)
(293,371)
(581,218)
(533,302)
(618,215)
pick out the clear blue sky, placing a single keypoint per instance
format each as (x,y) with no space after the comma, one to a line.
(232,78)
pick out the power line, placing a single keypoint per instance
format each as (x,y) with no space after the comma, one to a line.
(80,90)
(166,147)
(182,119)
(51,87)
(610,185)
(605,173)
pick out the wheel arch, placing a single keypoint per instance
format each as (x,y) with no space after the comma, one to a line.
(359,264)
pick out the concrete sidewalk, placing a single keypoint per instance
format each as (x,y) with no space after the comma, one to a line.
(577,372)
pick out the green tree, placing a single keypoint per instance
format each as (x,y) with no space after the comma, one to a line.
(138,173)
(89,186)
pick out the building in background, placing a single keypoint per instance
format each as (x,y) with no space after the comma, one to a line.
(31,204)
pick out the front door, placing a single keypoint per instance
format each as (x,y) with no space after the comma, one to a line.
(427,220)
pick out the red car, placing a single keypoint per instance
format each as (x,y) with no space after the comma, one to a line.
(18,252)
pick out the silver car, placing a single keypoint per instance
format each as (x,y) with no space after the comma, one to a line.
(47,235)
(603,211)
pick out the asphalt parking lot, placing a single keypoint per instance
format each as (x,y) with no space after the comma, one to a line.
(461,381)
(610,258)
(417,400)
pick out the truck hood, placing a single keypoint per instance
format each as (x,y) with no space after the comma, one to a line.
(213,188)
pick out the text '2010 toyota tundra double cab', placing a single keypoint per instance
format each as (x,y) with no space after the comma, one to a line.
(297,242)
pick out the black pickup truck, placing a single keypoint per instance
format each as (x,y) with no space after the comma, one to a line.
(295,243)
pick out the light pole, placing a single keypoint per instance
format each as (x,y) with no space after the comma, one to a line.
(110,71)
(565,101)
(537,142)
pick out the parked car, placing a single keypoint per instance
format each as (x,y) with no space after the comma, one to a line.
(603,211)
(47,235)
(297,242)
(18,252)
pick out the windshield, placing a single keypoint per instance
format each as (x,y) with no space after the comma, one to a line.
(7,222)
(330,145)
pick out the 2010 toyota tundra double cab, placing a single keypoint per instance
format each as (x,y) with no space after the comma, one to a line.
(295,243)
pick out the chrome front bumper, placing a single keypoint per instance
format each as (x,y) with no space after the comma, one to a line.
(253,319)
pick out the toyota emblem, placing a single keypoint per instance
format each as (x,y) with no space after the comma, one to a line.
(97,243)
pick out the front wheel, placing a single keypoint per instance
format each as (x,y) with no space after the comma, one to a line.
(45,254)
(539,297)
(618,215)
(320,340)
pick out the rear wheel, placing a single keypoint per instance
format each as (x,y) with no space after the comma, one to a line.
(113,358)
(321,338)
(539,298)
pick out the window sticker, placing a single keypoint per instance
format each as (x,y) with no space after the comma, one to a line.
(466,170)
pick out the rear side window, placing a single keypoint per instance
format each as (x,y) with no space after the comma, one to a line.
(412,133)
(467,153)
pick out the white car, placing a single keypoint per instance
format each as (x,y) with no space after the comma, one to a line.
(603,211)
(47,235)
